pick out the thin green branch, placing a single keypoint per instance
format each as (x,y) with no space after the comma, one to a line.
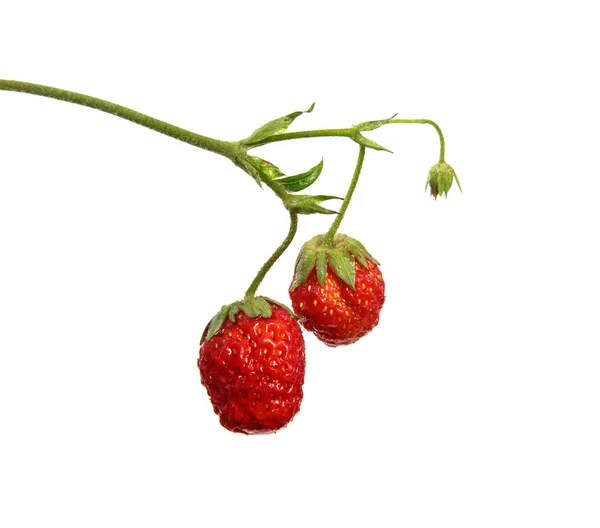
(276,188)
(338,220)
(251,292)
(225,148)
(427,122)
(329,132)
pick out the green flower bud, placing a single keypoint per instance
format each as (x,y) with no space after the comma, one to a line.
(440,179)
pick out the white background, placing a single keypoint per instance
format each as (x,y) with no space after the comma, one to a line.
(475,403)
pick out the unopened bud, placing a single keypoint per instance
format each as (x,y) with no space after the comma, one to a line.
(440,179)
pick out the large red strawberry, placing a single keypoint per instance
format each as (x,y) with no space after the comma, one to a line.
(252,364)
(338,290)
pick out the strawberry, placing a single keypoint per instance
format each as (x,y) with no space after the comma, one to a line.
(252,365)
(338,290)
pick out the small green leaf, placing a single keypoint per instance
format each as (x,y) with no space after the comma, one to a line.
(321,267)
(367,126)
(301,181)
(369,143)
(274,127)
(307,204)
(306,263)
(268,169)
(251,165)
(216,322)
(343,265)
(259,169)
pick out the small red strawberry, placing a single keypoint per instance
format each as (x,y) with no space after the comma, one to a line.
(338,290)
(252,364)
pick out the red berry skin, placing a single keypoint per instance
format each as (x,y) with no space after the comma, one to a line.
(253,371)
(336,313)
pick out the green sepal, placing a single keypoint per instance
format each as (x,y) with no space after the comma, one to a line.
(274,127)
(263,170)
(367,126)
(300,182)
(457,182)
(342,255)
(321,266)
(234,309)
(369,143)
(259,169)
(357,253)
(357,249)
(216,322)
(268,169)
(304,265)
(256,307)
(253,307)
(343,265)
(281,305)
(308,204)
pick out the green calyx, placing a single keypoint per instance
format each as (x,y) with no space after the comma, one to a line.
(342,256)
(440,179)
(252,307)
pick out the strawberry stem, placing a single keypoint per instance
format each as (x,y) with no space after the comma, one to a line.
(338,219)
(304,134)
(427,122)
(251,292)
(225,148)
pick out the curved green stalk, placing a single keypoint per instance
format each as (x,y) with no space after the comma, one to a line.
(251,292)
(225,148)
(427,122)
(338,220)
